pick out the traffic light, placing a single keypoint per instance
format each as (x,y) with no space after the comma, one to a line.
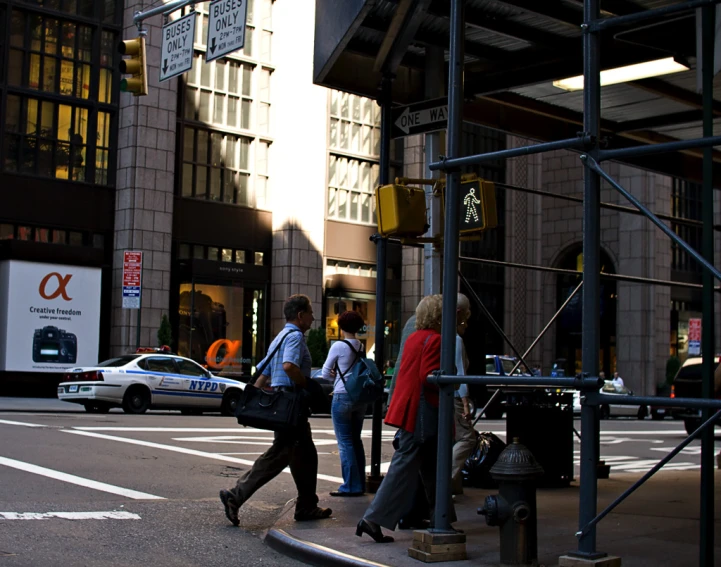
(401,211)
(135,66)
(478,210)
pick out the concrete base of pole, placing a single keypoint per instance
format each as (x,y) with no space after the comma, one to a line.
(574,561)
(373,483)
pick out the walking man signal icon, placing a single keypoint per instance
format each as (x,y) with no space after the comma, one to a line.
(470,201)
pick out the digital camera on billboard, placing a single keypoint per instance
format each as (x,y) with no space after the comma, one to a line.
(51,344)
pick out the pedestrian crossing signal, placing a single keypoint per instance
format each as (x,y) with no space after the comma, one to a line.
(478,205)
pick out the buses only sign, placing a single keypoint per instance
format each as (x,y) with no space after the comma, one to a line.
(226,27)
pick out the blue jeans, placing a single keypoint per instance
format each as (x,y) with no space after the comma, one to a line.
(348,424)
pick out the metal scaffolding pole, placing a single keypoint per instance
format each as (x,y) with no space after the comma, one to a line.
(374,478)
(706,545)
(441,517)
(591,281)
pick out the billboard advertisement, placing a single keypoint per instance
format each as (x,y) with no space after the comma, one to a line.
(50,316)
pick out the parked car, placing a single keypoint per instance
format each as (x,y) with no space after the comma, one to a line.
(617,410)
(687,384)
(141,381)
(660,411)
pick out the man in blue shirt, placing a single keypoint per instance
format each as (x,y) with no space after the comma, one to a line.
(288,369)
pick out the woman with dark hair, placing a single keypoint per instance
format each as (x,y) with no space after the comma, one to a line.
(347,415)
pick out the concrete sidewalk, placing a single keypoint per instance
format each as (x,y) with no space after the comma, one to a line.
(657,525)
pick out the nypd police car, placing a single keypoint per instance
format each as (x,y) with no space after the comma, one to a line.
(151,378)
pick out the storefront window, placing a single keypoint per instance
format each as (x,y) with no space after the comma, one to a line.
(226,330)
(364,305)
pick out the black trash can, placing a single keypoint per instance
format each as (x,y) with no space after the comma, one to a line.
(543,422)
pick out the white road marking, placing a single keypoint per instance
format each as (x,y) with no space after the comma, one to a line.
(203,454)
(241,440)
(384,467)
(7,422)
(80,481)
(69,516)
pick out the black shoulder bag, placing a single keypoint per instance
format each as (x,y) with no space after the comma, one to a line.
(274,411)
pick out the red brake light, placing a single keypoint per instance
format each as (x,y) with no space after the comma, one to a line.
(673,391)
(92,376)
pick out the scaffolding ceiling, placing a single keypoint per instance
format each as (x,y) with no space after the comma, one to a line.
(514,50)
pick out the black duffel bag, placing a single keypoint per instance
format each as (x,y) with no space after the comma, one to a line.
(477,468)
(279,410)
(273,410)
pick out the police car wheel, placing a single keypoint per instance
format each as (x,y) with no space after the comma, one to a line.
(230,402)
(136,400)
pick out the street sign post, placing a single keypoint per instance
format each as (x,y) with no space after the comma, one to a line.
(176,51)
(226,27)
(132,279)
(419,118)
(694,337)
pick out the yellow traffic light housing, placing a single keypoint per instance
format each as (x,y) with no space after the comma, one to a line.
(135,66)
(401,211)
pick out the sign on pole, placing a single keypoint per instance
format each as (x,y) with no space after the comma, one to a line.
(226,27)
(132,279)
(419,118)
(694,336)
(176,51)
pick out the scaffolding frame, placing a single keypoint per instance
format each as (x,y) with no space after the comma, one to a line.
(588,382)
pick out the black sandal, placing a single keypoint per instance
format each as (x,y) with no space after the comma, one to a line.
(316,513)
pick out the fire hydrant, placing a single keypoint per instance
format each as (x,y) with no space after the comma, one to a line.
(514,509)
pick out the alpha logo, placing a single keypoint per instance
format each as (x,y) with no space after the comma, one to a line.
(222,353)
(62,282)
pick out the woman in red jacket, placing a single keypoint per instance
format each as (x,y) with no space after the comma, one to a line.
(414,410)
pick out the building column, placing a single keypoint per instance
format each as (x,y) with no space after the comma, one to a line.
(523,302)
(144,192)
(642,335)
(412,284)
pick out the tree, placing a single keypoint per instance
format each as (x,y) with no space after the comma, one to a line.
(165,333)
(317,346)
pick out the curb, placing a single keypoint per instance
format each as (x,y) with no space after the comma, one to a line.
(312,553)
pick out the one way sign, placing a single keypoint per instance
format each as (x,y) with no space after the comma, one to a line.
(419,118)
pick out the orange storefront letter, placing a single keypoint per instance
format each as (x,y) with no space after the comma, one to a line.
(231,349)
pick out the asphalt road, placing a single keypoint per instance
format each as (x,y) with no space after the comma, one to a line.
(85,489)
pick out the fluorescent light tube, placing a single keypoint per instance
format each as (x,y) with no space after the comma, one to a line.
(625,74)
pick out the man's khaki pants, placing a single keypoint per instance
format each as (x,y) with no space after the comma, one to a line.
(465,443)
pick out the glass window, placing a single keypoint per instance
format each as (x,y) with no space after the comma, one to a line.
(98,241)
(75,238)
(161,364)
(7,231)
(59,237)
(42,235)
(240,256)
(184,251)
(258,258)
(25,233)
(227,255)
(218,163)
(199,252)
(189,368)
(212,253)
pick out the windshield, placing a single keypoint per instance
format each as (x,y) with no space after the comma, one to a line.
(508,365)
(118,361)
